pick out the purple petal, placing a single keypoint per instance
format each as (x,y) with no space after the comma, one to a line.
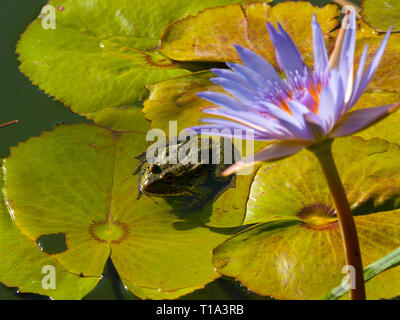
(372,68)
(315,126)
(337,87)
(272,152)
(326,108)
(312,126)
(348,46)
(343,41)
(249,119)
(298,111)
(230,133)
(234,125)
(362,118)
(258,64)
(342,58)
(357,81)
(253,78)
(221,100)
(239,92)
(232,76)
(287,54)
(321,62)
(227,128)
(287,121)
(226,123)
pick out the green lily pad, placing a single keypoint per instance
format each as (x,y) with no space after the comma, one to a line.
(78,180)
(22,264)
(176,100)
(101,54)
(387,75)
(387,128)
(295,250)
(211,34)
(382,14)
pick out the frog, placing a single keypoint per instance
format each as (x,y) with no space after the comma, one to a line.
(186,185)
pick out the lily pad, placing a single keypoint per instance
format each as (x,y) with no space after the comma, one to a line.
(295,250)
(176,100)
(387,75)
(382,14)
(78,180)
(22,264)
(386,129)
(211,34)
(102,53)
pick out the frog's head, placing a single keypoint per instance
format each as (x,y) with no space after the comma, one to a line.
(171,180)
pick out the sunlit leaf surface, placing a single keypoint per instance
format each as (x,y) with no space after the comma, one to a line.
(382,14)
(102,53)
(211,34)
(24,265)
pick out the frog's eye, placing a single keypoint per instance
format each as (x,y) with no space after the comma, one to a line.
(168,177)
(155,169)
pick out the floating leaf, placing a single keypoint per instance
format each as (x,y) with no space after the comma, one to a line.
(295,250)
(382,14)
(22,264)
(102,53)
(211,34)
(176,100)
(386,129)
(387,75)
(78,181)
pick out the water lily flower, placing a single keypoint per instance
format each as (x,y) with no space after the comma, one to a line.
(304,108)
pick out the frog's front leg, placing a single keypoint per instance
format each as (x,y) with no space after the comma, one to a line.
(228,184)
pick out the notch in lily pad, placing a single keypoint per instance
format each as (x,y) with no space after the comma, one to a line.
(52,243)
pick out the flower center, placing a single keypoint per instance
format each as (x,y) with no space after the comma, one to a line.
(303,90)
(114,232)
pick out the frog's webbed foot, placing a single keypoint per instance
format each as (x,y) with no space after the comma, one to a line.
(140,193)
(231,184)
(142,160)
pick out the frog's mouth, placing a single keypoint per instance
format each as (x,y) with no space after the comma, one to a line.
(171,193)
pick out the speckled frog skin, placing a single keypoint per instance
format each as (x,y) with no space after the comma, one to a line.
(187,185)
